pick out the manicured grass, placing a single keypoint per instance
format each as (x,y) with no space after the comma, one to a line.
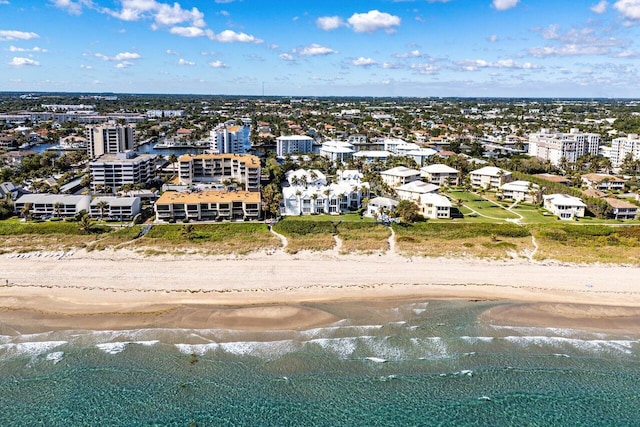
(484,208)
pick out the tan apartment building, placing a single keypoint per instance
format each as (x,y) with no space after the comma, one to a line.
(208,205)
(216,168)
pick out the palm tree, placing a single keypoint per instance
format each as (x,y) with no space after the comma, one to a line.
(57,208)
(326,193)
(314,197)
(85,224)
(173,159)
(102,205)
(187,231)
(26,211)
(298,194)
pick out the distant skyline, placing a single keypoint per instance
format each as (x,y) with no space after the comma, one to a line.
(457,48)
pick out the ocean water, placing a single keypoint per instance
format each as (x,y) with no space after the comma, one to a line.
(417,363)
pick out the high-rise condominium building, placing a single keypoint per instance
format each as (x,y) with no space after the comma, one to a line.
(109,139)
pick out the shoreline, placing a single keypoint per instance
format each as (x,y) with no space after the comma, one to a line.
(261,291)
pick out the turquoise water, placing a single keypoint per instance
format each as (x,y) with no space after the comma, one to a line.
(406,363)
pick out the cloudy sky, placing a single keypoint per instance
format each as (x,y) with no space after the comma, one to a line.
(547,48)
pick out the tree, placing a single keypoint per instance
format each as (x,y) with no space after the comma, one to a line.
(102,205)
(85,224)
(173,159)
(407,211)
(57,208)
(25,212)
(188,232)
(271,199)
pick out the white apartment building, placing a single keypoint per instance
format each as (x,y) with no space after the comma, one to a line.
(415,189)
(108,139)
(227,138)
(400,175)
(489,177)
(116,170)
(440,174)
(308,193)
(564,206)
(293,144)
(337,151)
(50,205)
(216,168)
(624,146)
(520,191)
(557,146)
(116,208)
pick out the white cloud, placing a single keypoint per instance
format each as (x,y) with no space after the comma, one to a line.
(124,64)
(229,36)
(172,52)
(22,49)
(413,54)
(492,38)
(190,32)
(392,65)
(168,16)
(286,57)
(86,67)
(4,1)
(217,64)
(315,49)
(568,50)
(18,61)
(425,68)
(363,62)
(329,23)
(372,21)
(630,9)
(126,55)
(223,1)
(600,7)
(123,57)
(505,4)
(185,62)
(72,7)
(8,35)
(476,64)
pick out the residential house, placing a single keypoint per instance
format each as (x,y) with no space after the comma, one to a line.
(380,208)
(208,205)
(603,182)
(440,174)
(371,156)
(399,175)
(621,209)
(489,177)
(415,189)
(435,206)
(520,191)
(564,206)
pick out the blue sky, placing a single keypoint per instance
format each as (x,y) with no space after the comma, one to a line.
(546,48)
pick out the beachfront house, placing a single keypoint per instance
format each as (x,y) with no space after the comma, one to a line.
(440,174)
(564,206)
(620,209)
(489,177)
(434,206)
(337,151)
(400,175)
(415,189)
(520,191)
(603,182)
(380,208)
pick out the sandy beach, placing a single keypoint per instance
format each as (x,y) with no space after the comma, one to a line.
(123,289)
